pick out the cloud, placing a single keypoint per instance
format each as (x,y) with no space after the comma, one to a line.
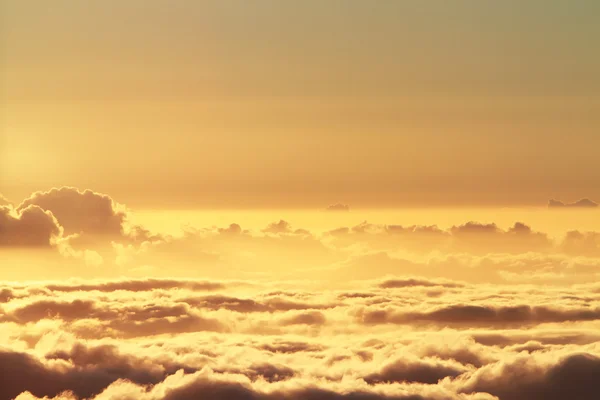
(572,377)
(477,237)
(473,237)
(581,243)
(371,311)
(516,315)
(288,347)
(22,372)
(135,285)
(428,371)
(164,339)
(583,203)
(78,212)
(412,282)
(86,213)
(284,227)
(233,229)
(305,318)
(270,305)
(467,252)
(117,320)
(338,207)
(278,227)
(30,226)
(4,201)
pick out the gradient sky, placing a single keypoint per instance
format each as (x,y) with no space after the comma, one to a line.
(299,200)
(302,104)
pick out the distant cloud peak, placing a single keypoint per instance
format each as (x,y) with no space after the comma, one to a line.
(583,203)
(338,207)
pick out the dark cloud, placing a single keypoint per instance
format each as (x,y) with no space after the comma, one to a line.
(474,228)
(289,347)
(137,285)
(168,324)
(482,315)
(282,304)
(267,371)
(583,203)
(20,372)
(28,227)
(6,295)
(64,310)
(233,229)
(422,371)
(573,377)
(338,207)
(468,353)
(412,282)
(560,338)
(218,302)
(241,305)
(122,320)
(305,318)
(228,390)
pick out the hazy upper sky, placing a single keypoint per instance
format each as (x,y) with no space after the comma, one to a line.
(300,104)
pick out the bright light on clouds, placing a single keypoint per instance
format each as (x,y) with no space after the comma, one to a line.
(310,200)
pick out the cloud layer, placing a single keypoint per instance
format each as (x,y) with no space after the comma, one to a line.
(413,339)
(365,311)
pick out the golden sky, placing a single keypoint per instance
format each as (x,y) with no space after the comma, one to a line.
(279,104)
(299,200)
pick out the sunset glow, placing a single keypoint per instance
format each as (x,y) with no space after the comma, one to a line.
(299,200)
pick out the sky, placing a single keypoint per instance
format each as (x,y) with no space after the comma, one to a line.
(310,200)
(278,104)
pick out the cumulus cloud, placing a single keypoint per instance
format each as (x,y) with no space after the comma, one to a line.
(233,229)
(284,227)
(278,227)
(29,226)
(86,213)
(79,211)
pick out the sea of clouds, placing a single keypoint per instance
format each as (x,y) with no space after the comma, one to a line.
(364,312)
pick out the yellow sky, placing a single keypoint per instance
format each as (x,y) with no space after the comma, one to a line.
(281,104)
(309,199)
